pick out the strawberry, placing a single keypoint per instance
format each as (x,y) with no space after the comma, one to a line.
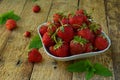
(34,56)
(47,40)
(11,24)
(51,28)
(79,12)
(77,45)
(76,21)
(43,29)
(85,33)
(96,28)
(66,33)
(57,17)
(36,8)
(65,21)
(60,49)
(100,43)
(88,47)
(27,34)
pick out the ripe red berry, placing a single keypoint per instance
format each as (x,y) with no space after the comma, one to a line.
(43,29)
(85,33)
(36,8)
(47,40)
(60,50)
(88,47)
(77,45)
(66,33)
(100,43)
(34,56)
(79,12)
(27,34)
(10,24)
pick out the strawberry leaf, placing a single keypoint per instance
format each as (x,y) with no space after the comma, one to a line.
(35,42)
(80,66)
(89,75)
(8,15)
(101,70)
(34,0)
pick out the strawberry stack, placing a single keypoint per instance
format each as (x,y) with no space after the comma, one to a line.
(72,34)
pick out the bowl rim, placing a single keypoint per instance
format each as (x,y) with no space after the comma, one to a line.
(73,57)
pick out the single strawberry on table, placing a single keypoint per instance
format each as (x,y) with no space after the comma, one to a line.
(77,45)
(36,8)
(100,43)
(34,56)
(27,34)
(11,24)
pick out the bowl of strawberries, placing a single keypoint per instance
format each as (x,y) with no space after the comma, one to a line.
(73,36)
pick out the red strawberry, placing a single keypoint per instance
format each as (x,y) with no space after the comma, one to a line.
(85,33)
(47,40)
(51,28)
(36,8)
(57,17)
(96,28)
(34,56)
(11,24)
(65,33)
(88,47)
(79,12)
(43,29)
(27,34)
(77,45)
(60,49)
(100,43)
(76,21)
(65,21)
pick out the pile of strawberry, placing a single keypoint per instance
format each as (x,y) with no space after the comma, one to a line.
(72,34)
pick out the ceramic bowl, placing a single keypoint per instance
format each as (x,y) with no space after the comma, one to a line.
(73,57)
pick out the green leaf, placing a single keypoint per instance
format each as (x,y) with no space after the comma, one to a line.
(8,15)
(102,70)
(80,66)
(34,0)
(89,75)
(35,42)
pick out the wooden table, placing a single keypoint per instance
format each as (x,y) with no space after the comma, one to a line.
(14,46)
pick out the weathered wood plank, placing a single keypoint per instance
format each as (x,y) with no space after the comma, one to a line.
(6,6)
(13,59)
(50,69)
(113,17)
(100,17)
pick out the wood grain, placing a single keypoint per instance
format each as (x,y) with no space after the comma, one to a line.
(99,16)
(6,6)
(50,69)
(113,17)
(14,64)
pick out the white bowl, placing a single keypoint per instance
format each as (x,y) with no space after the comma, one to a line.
(73,57)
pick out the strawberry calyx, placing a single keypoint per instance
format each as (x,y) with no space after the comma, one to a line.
(58,44)
(84,26)
(94,27)
(80,40)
